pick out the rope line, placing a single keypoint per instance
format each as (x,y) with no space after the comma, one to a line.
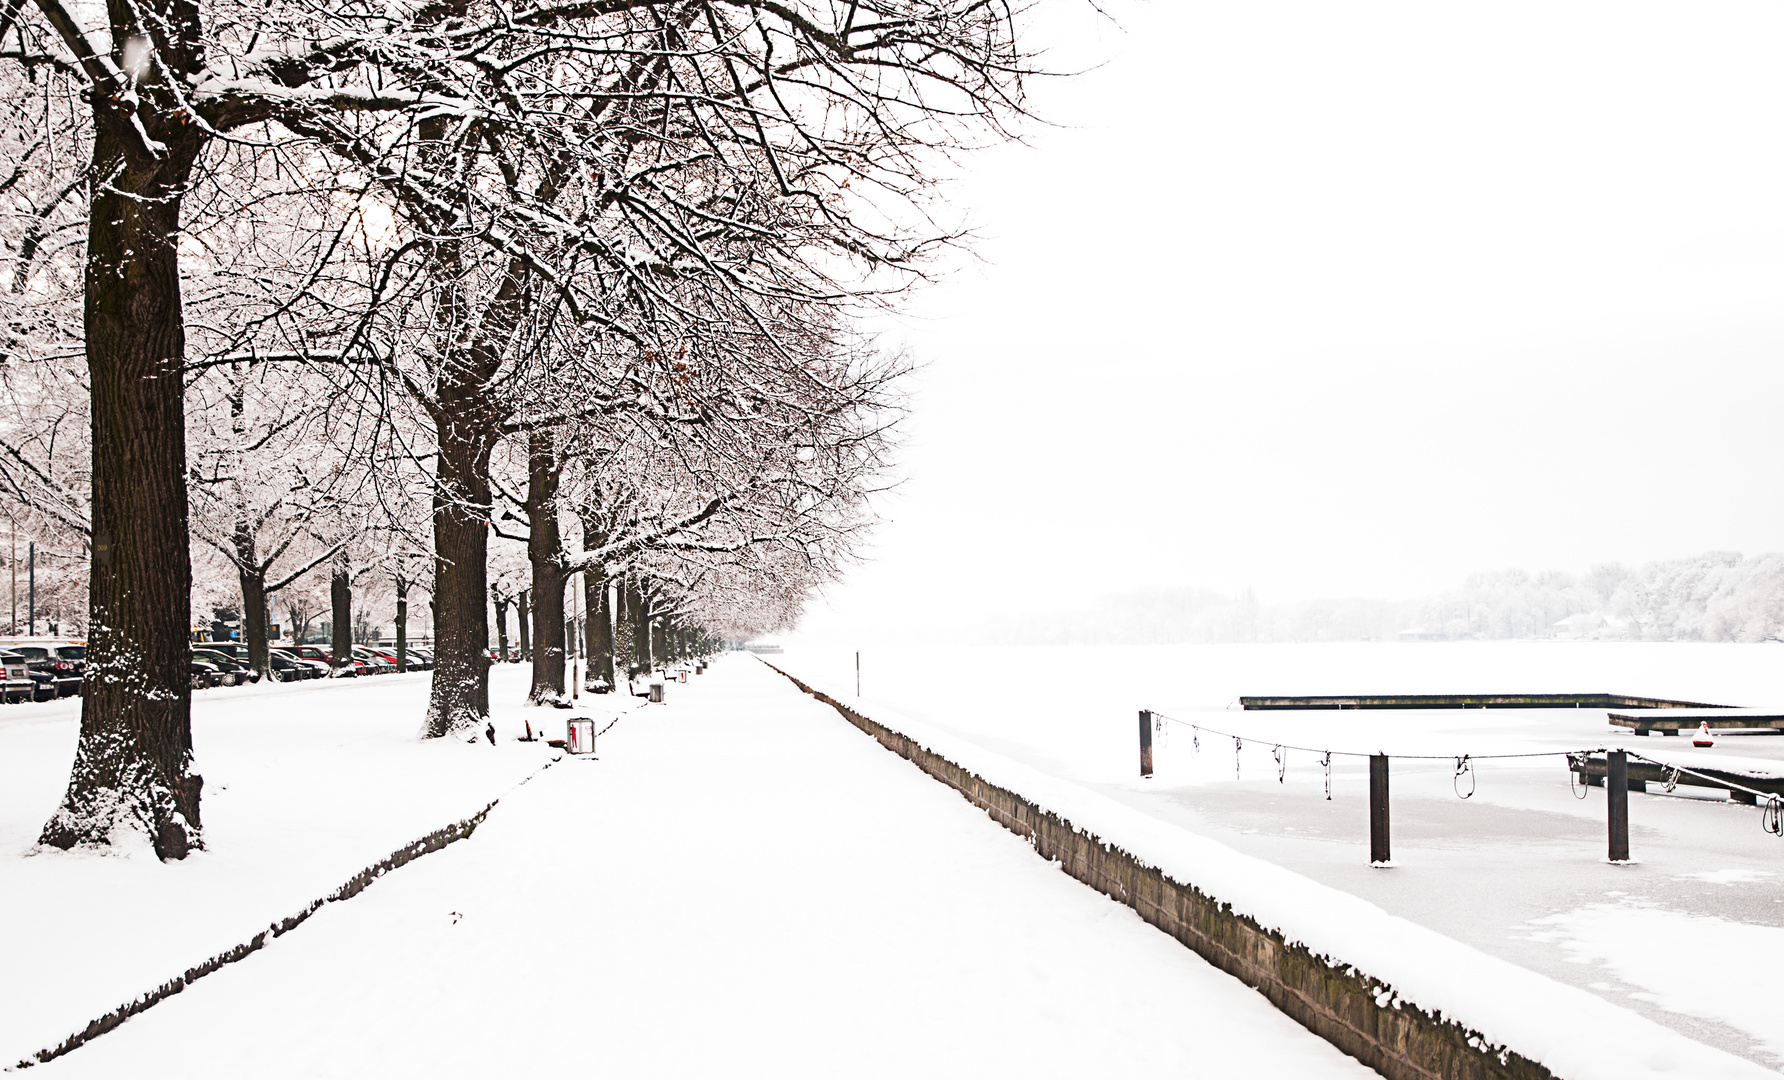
(1771,805)
(1365,753)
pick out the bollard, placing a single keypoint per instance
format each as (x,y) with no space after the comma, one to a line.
(1145,742)
(1616,797)
(656,693)
(1378,810)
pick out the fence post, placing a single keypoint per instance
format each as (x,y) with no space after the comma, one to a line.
(1616,795)
(1378,810)
(1145,742)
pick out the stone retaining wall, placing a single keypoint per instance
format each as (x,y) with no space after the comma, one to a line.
(1359,1015)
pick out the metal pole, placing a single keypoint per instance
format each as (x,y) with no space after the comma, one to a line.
(31,616)
(857,673)
(576,653)
(1145,742)
(13,561)
(1379,851)
(1616,794)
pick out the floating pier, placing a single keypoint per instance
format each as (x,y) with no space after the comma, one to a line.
(1716,772)
(1673,722)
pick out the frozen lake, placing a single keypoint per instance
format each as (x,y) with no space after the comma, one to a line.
(1518,869)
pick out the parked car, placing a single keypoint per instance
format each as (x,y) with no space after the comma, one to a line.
(55,663)
(425,656)
(311,669)
(234,672)
(375,663)
(285,669)
(387,653)
(288,668)
(204,674)
(17,684)
(318,655)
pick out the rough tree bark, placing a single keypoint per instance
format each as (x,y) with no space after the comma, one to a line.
(641,644)
(501,606)
(254,622)
(458,699)
(402,624)
(133,765)
(545,551)
(523,614)
(600,633)
(340,602)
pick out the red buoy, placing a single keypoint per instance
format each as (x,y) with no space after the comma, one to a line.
(1703,734)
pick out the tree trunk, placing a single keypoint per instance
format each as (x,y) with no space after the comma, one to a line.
(600,616)
(641,645)
(133,765)
(254,623)
(523,614)
(501,626)
(458,699)
(402,625)
(340,600)
(545,551)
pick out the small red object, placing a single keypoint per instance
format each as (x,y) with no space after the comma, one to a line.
(1703,734)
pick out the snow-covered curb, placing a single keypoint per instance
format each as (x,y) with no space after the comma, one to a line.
(433,841)
(1506,1012)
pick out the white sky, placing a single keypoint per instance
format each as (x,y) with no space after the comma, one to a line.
(1352,299)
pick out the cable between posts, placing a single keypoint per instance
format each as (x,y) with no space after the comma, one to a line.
(1771,804)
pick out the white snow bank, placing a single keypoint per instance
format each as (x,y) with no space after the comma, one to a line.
(1572,1032)
(305,786)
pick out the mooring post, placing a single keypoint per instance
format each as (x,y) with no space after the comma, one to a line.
(1616,796)
(1378,809)
(1145,742)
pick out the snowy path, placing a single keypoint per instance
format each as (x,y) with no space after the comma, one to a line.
(741,884)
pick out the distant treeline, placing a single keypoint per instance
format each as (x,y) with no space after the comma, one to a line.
(1719,596)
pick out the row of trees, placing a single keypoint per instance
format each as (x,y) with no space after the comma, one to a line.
(355,288)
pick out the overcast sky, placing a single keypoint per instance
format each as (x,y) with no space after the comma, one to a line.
(1352,298)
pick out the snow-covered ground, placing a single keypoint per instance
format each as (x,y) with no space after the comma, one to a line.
(741,884)
(305,785)
(1687,936)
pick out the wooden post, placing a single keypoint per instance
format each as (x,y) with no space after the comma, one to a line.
(1379,851)
(1145,742)
(1616,795)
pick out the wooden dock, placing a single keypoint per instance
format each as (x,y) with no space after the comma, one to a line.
(1673,722)
(1766,776)
(1471,701)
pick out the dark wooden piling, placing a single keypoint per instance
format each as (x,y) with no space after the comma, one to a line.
(1145,742)
(1379,851)
(1616,797)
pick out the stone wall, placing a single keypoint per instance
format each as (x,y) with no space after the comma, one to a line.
(1346,1007)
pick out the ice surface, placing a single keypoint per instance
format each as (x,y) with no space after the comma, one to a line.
(1476,870)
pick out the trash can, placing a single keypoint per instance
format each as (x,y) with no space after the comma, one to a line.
(656,693)
(582,737)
